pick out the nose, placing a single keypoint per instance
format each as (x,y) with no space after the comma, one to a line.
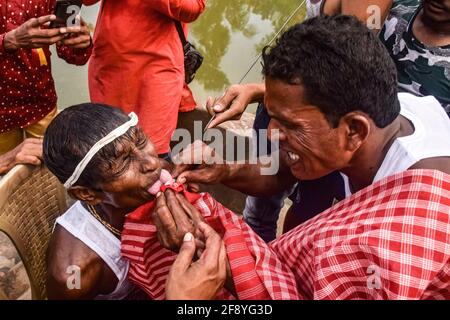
(147,163)
(274,131)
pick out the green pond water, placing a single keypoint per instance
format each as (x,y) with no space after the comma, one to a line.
(230,35)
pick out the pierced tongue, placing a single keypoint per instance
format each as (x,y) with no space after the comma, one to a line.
(164,178)
(154,189)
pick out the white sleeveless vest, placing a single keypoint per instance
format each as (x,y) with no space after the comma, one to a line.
(83,226)
(431,137)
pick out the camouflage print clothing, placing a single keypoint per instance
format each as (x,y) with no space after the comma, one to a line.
(422,70)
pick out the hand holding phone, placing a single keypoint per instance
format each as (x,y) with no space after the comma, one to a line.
(33,34)
(76,37)
(66,12)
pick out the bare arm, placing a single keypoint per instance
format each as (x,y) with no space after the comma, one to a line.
(251,180)
(74,271)
(438,163)
(63,286)
(198,163)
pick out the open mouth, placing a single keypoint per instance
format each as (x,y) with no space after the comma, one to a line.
(291,157)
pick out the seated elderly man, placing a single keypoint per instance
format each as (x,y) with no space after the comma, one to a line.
(108,165)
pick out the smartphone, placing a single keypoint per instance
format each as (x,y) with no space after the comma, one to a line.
(65,12)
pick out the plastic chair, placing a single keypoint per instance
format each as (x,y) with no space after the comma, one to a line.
(31,199)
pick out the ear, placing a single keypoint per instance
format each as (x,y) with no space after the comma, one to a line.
(357,128)
(87,195)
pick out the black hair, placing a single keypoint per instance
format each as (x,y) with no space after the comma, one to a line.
(341,65)
(74,131)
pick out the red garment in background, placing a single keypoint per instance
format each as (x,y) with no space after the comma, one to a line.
(138,62)
(388,241)
(27,90)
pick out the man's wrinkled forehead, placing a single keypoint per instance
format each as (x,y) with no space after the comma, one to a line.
(135,139)
(124,146)
(286,101)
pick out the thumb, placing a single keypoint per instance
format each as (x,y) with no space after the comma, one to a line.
(195,176)
(185,255)
(177,169)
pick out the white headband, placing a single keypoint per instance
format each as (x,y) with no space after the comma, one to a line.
(113,135)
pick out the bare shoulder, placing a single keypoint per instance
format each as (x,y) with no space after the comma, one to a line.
(438,163)
(74,271)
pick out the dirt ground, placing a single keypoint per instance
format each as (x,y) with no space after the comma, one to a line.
(14,283)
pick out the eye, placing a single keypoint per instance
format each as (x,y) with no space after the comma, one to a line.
(125,163)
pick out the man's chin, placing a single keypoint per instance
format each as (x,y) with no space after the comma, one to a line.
(306,175)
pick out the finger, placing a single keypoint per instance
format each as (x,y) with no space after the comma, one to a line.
(209,106)
(29,159)
(194,214)
(27,149)
(199,245)
(227,115)
(199,248)
(213,244)
(46,33)
(222,262)
(178,169)
(46,25)
(82,22)
(47,41)
(162,216)
(83,45)
(180,216)
(73,29)
(84,39)
(203,175)
(37,22)
(33,150)
(77,44)
(185,255)
(193,187)
(222,103)
(33,140)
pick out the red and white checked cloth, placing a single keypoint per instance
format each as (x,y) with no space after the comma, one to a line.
(257,273)
(388,241)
